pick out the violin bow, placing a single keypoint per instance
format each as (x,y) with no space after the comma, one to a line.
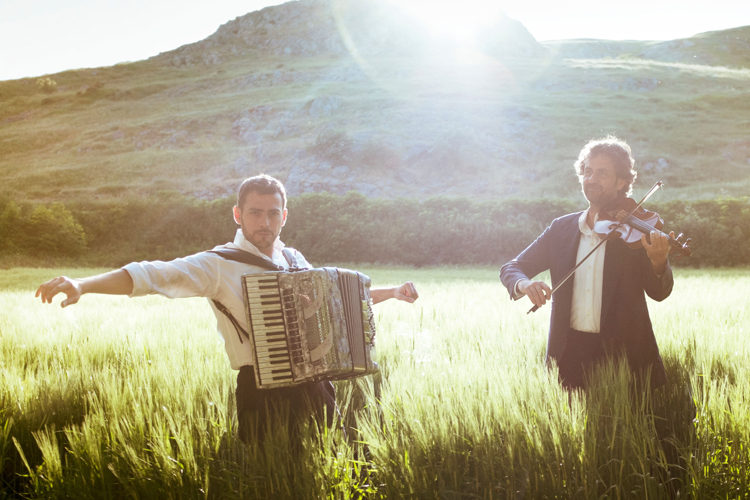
(651,191)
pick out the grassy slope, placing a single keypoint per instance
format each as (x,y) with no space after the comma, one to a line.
(459,124)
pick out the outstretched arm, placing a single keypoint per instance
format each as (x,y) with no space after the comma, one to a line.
(406,292)
(116,282)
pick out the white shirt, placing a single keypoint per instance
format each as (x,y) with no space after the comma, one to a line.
(586,310)
(209,275)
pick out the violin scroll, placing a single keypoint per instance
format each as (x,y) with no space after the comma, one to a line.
(684,248)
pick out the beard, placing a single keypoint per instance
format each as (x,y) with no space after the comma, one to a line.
(597,195)
(261,239)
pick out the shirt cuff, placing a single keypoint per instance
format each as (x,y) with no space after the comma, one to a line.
(140,281)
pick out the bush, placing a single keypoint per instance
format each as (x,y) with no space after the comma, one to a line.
(40,231)
(720,229)
(351,228)
(334,146)
(46,85)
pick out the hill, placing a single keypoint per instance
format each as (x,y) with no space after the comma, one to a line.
(338,96)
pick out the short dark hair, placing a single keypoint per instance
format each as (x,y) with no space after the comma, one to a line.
(261,184)
(618,151)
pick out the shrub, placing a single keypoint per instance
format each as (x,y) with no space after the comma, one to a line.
(41,231)
(334,146)
(351,228)
(46,85)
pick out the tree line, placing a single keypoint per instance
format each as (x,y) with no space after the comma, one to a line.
(337,229)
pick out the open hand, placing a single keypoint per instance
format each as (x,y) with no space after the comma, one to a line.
(62,284)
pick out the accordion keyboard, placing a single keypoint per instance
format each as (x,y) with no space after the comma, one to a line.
(267,310)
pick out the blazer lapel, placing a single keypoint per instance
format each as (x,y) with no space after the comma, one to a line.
(565,259)
(568,250)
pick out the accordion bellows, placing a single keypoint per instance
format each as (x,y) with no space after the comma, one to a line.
(307,326)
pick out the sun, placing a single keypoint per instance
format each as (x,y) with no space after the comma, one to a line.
(457,20)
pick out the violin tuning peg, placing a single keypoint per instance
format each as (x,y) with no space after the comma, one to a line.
(679,237)
(687,242)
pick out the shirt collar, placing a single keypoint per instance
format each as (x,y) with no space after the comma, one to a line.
(583,226)
(241,242)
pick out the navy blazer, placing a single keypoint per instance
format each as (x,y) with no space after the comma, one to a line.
(628,273)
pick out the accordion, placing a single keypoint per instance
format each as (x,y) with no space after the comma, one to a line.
(310,325)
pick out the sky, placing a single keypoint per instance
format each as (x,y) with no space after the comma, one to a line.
(39,37)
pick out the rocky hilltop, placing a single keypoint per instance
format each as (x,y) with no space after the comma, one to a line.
(310,28)
(341,95)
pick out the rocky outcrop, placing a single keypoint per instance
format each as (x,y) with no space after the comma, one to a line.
(341,27)
(313,27)
(507,37)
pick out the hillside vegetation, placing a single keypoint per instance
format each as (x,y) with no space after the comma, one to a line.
(340,229)
(338,96)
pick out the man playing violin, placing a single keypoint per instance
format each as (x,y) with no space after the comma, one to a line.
(601,311)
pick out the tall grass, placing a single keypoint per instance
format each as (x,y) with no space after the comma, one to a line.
(119,398)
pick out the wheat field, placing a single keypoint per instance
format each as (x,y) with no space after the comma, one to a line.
(134,398)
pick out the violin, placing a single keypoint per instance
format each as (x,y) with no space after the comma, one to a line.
(625,218)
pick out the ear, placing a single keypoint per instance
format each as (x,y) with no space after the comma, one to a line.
(621,184)
(283,217)
(237,215)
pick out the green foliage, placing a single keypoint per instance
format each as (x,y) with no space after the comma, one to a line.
(41,231)
(159,228)
(10,222)
(46,85)
(335,146)
(720,229)
(351,228)
(367,154)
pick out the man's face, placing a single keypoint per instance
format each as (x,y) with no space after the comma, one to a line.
(261,218)
(600,182)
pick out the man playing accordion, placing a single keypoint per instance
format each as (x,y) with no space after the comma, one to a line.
(261,213)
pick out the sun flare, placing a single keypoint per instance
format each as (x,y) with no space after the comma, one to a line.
(461,21)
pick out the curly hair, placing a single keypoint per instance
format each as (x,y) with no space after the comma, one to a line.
(261,184)
(615,149)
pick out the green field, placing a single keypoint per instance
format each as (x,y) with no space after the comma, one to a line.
(119,398)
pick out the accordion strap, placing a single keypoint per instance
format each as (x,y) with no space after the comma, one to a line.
(290,254)
(229,315)
(244,257)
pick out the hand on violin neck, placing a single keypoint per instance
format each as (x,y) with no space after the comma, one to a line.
(657,247)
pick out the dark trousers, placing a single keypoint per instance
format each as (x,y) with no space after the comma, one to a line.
(583,352)
(260,409)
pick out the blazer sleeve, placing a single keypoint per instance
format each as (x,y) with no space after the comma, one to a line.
(657,287)
(532,261)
